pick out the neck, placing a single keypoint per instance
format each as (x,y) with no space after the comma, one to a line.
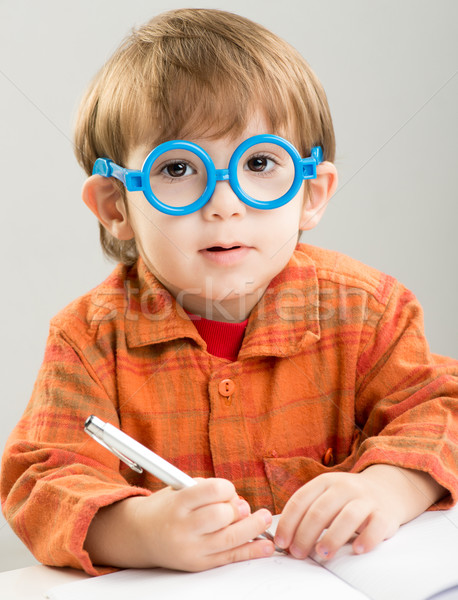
(232,310)
(233,307)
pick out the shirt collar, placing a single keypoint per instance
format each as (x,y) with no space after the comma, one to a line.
(281,324)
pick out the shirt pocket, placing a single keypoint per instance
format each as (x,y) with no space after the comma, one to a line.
(286,475)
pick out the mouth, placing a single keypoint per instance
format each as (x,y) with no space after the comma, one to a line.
(222,248)
(226,254)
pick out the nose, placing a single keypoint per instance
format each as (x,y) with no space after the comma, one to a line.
(224,203)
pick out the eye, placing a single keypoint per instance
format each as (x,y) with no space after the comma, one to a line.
(177,169)
(260,164)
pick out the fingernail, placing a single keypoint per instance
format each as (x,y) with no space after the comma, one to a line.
(280,542)
(358,549)
(322,551)
(244,508)
(297,552)
(268,518)
(268,549)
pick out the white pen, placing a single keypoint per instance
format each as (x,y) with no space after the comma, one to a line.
(138,457)
(134,454)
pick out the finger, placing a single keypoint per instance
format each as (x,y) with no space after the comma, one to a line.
(248,551)
(213,517)
(239,533)
(377,529)
(208,491)
(351,517)
(241,508)
(318,517)
(294,511)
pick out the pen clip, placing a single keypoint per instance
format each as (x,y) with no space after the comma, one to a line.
(130,463)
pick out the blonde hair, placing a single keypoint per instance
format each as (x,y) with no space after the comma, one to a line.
(196,73)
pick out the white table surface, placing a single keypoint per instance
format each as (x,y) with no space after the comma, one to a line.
(31,583)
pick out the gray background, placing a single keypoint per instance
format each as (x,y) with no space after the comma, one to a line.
(390,72)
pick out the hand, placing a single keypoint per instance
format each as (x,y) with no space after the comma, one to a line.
(372,504)
(201,527)
(191,529)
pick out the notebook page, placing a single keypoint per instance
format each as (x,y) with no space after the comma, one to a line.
(420,560)
(274,578)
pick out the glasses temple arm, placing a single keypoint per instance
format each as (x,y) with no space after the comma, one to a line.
(309,165)
(129,177)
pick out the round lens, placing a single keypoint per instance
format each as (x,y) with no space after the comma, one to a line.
(178,177)
(265,172)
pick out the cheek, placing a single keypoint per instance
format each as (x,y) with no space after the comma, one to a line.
(156,232)
(284,224)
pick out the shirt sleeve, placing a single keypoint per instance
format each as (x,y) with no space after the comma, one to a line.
(407,398)
(54,476)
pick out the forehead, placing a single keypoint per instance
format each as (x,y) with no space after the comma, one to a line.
(221,140)
(202,130)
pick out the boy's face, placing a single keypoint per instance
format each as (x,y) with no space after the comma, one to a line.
(217,262)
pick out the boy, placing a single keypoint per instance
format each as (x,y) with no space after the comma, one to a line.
(295,377)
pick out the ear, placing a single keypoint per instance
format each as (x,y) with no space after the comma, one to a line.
(103,197)
(321,189)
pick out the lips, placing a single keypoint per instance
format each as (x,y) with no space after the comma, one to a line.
(226,254)
(221,248)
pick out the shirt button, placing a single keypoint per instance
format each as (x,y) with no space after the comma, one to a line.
(328,457)
(226,387)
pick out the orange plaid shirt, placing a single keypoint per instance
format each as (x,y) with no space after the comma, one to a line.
(334,374)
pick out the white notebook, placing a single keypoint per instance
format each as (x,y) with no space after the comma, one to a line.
(421,560)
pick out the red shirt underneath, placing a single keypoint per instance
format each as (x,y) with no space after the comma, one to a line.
(223,339)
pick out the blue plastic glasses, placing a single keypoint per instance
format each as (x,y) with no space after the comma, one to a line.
(179,177)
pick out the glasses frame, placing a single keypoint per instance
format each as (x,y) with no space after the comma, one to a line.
(139,181)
